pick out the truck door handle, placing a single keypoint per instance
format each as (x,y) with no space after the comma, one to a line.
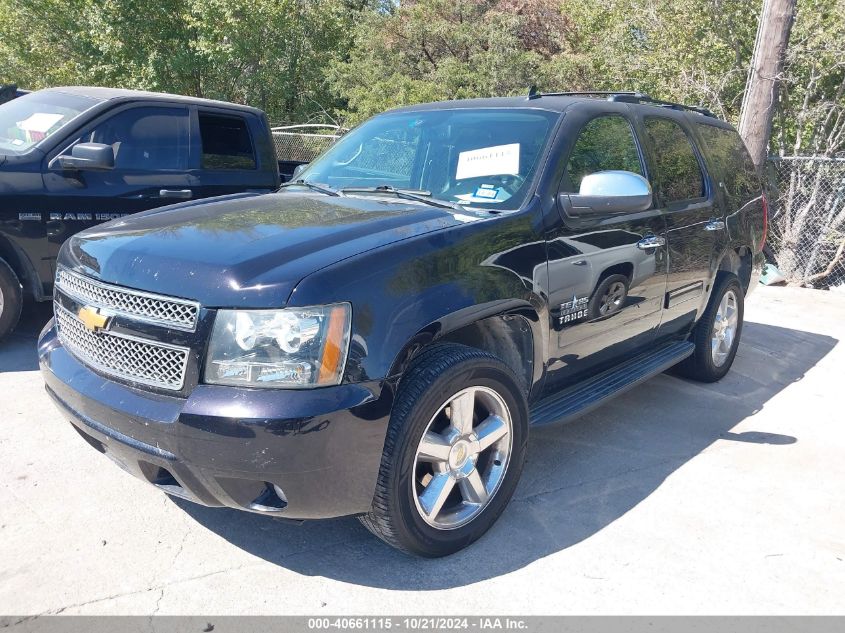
(181,194)
(650,242)
(714,225)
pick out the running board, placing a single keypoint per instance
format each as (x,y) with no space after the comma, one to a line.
(572,402)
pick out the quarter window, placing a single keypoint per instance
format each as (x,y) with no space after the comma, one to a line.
(147,139)
(678,175)
(226,143)
(736,169)
(605,143)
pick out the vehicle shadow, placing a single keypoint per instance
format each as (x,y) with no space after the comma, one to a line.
(579,478)
(18,350)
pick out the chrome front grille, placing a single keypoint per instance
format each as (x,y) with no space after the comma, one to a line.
(141,306)
(134,359)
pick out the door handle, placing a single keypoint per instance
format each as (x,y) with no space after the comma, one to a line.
(180,194)
(580,262)
(714,225)
(650,242)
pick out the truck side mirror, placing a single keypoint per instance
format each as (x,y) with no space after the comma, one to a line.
(612,191)
(88,157)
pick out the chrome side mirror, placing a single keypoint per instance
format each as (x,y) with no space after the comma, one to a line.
(608,192)
(298,170)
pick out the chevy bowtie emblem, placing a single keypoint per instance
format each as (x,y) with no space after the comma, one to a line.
(92,319)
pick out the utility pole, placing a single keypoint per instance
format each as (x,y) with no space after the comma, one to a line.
(761,89)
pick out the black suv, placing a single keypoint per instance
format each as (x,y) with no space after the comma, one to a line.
(376,338)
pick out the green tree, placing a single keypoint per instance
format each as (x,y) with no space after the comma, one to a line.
(270,53)
(445,49)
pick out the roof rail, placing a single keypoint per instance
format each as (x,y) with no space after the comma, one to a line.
(624,96)
(639,97)
(534,94)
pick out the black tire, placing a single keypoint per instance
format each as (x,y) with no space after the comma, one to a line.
(602,296)
(432,379)
(701,366)
(11,299)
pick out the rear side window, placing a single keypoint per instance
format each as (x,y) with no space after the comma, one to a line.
(226,143)
(605,143)
(733,162)
(678,175)
(147,139)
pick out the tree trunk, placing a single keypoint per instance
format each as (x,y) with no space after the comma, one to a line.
(758,104)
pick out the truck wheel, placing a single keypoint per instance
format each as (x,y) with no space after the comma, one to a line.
(454,452)
(11,299)
(609,297)
(717,334)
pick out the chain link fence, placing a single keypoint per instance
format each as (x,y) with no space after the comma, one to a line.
(303,143)
(807,227)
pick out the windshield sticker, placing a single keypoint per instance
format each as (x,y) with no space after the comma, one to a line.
(487,191)
(486,195)
(460,217)
(40,122)
(488,161)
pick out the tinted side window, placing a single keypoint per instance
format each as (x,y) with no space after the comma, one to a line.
(226,143)
(147,139)
(606,142)
(736,169)
(678,174)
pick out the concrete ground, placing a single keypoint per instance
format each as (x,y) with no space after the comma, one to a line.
(676,498)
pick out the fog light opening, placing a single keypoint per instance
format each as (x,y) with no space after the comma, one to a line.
(272,499)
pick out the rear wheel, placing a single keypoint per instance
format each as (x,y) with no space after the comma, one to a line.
(11,299)
(454,452)
(717,334)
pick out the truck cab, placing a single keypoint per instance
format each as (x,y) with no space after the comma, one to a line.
(71,158)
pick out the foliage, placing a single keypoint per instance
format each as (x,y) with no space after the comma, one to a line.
(428,50)
(330,59)
(270,53)
(812,113)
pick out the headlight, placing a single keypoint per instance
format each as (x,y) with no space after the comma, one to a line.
(293,347)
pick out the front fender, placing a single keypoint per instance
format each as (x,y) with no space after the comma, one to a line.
(410,293)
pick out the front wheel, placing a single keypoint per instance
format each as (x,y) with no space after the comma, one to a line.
(454,452)
(716,336)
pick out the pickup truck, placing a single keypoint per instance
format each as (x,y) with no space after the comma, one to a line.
(377,337)
(71,158)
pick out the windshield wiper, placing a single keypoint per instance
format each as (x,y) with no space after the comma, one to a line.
(312,186)
(406,194)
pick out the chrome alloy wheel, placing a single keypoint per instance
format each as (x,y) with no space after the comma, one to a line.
(462,458)
(613,298)
(724,328)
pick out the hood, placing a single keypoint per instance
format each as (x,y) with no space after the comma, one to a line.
(244,251)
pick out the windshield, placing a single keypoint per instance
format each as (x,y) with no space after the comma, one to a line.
(30,119)
(480,157)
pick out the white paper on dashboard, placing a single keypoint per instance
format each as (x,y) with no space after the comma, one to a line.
(40,122)
(488,161)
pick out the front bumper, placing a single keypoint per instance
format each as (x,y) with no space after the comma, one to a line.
(230,446)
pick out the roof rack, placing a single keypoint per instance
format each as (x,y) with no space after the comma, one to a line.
(534,94)
(621,97)
(637,97)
